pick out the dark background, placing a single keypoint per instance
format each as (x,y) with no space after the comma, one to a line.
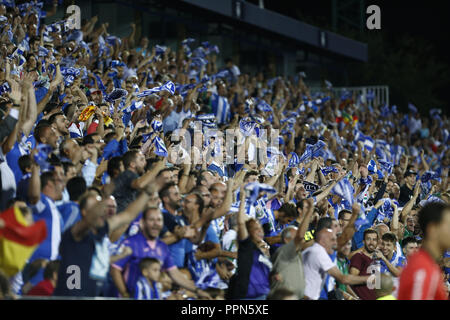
(409,53)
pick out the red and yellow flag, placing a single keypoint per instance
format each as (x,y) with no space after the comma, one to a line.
(18,240)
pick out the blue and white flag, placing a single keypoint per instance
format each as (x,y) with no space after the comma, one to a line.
(255,188)
(412,108)
(247,126)
(160,49)
(134,106)
(328,170)
(263,106)
(160,147)
(345,190)
(294,160)
(156,125)
(221,108)
(386,166)
(312,151)
(430,175)
(168,86)
(372,168)
(366,140)
(41,156)
(187,41)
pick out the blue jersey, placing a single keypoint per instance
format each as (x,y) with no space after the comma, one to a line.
(70,214)
(45,209)
(396,261)
(147,291)
(221,108)
(142,248)
(204,271)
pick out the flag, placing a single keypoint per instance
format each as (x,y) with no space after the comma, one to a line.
(168,86)
(18,240)
(294,160)
(386,166)
(328,170)
(312,151)
(412,108)
(117,93)
(246,126)
(42,156)
(345,190)
(430,175)
(372,167)
(160,147)
(156,125)
(255,188)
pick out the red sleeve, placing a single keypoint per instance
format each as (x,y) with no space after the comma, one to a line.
(422,284)
(92,128)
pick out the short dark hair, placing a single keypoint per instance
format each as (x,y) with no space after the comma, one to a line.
(39,131)
(113,164)
(199,201)
(408,240)
(46,177)
(88,138)
(66,165)
(24,163)
(431,213)
(147,262)
(51,268)
(289,210)
(342,212)
(129,157)
(164,192)
(52,118)
(323,223)
(389,237)
(76,187)
(251,173)
(369,231)
(162,171)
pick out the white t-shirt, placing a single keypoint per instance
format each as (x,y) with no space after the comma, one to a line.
(316,263)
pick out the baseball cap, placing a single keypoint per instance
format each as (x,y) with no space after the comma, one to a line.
(409,173)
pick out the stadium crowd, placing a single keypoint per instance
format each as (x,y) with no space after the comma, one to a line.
(117,179)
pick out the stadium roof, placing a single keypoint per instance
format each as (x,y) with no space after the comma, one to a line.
(313,37)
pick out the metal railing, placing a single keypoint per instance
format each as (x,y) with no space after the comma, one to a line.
(380,93)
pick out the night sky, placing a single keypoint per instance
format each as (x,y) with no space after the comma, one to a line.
(426,19)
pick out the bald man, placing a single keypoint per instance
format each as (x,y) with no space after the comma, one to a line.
(317,264)
(386,288)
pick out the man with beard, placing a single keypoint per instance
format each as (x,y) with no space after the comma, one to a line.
(146,243)
(360,262)
(60,123)
(133,178)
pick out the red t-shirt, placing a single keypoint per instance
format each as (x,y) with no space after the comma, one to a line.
(43,288)
(362,262)
(422,279)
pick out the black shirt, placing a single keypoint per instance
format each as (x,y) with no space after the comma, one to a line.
(123,191)
(405,195)
(84,264)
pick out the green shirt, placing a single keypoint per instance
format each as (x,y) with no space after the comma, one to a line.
(342,265)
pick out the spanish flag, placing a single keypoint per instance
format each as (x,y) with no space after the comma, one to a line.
(18,240)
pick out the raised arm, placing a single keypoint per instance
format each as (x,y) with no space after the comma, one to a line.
(349,230)
(303,227)
(242,229)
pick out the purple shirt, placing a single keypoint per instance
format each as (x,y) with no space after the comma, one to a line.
(142,248)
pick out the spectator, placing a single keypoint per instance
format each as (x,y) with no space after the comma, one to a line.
(148,287)
(422,278)
(386,288)
(46,286)
(361,261)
